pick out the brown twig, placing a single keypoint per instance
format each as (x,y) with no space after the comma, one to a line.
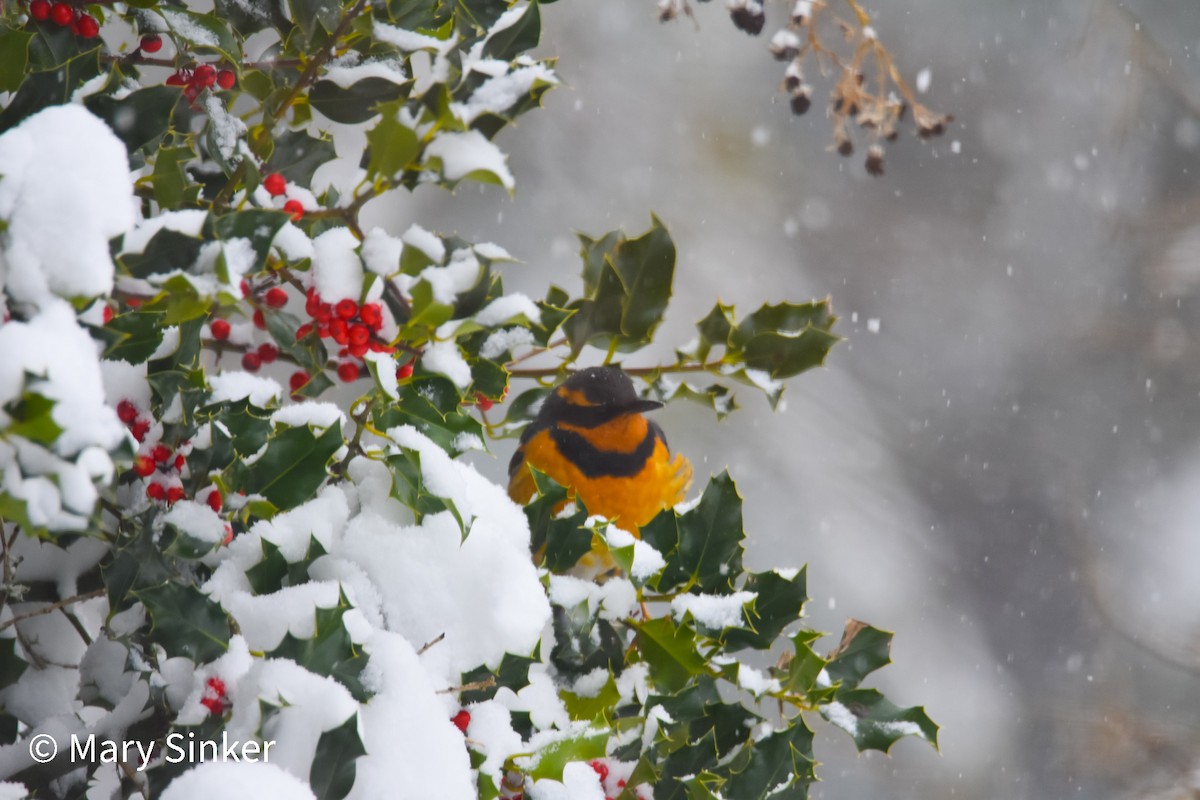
(50,609)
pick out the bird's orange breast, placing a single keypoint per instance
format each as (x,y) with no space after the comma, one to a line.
(621,470)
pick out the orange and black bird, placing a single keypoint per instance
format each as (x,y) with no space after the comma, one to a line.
(592,437)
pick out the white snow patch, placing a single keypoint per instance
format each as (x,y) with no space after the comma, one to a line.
(462,154)
(85,183)
(713,610)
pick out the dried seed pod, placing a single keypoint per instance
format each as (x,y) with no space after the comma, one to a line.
(801,99)
(874,163)
(785,45)
(801,12)
(748,15)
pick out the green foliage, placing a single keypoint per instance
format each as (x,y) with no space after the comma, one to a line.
(648,680)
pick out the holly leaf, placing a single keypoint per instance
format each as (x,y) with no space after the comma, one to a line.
(780,765)
(333,765)
(627,285)
(185,622)
(862,650)
(392,147)
(292,468)
(329,651)
(874,722)
(670,650)
(780,602)
(702,547)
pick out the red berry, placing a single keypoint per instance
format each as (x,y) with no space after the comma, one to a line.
(160,453)
(276,297)
(139,429)
(348,371)
(143,466)
(461,720)
(228,533)
(251,362)
(174,494)
(226,79)
(220,329)
(179,78)
(340,331)
(267,353)
(295,208)
(62,14)
(403,372)
(324,313)
(205,75)
(371,314)
(601,769)
(151,43)
(87,26)
(275,184)
(39,9)
(244,285)
(346,309)
(180,460)
(357,350)
(155,491)
(298,379)
(483,403)
(359,334)
(303,330)
(126,411)
(108,315)
(260,321)
(214,500)
(216,686)
(213,704)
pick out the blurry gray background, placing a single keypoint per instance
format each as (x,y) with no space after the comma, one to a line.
(1006,471)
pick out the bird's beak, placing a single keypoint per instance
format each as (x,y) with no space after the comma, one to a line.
(639,406)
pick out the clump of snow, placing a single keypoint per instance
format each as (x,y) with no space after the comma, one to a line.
(445,358)
(86,182)
(506,308)
(501,92)
(841,716)
(234,386)
(311,412)
(614,599)
(197,521)
(227,130)
(381,252)
(580,782)
(337,269)
(425,241)
(293,243)
(462,154)
(481,591)
(713,610)
(187,222)
(459,275)
(505,341)
(348,69)
(646,560)
(407,730)
(57,485)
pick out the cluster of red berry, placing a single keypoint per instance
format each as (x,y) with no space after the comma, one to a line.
(276,185)
(601,769)
(202,76)
(215,698)
(265,353)
(350,325)
(65,15)
(161,466)
(137,423)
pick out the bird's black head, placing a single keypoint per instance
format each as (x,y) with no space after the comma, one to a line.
(592,397)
